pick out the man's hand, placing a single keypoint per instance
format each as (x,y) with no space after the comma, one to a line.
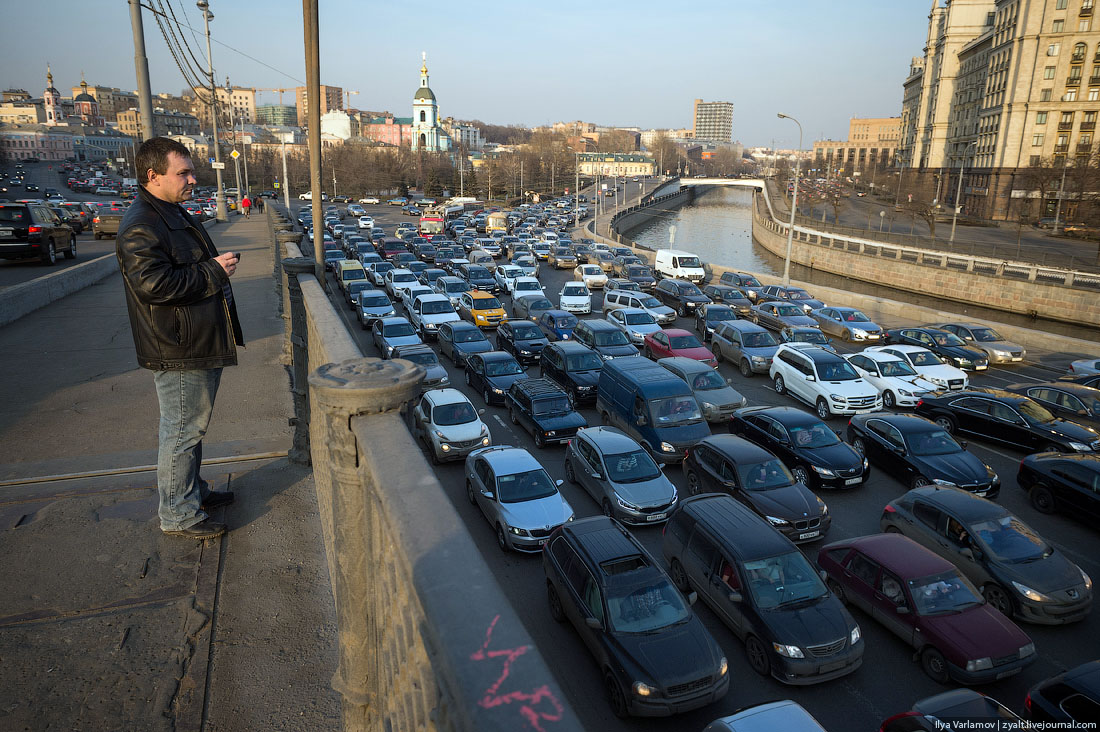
(228,261)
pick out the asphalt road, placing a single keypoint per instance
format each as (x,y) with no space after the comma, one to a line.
(17,271)
(889,680)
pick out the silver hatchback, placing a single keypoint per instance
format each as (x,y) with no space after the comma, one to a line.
(516,496)
(619,475)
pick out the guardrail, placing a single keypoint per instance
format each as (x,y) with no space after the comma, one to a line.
(427,638)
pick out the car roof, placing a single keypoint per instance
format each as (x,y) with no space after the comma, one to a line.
(1088,460)
(745,326)
(555,312)
(877,356)
(596,324)
(630,311)
(602,540)
(609,439)
(505,459)
(736,526)
(899,553)
(462,325)
(1067,386)
(786,416)
(496,356)
(900,420)
(445,396)
(683,363)
(392,319)
(967,506)
(412,348)
(677,332)
(480,294)
(567,346)
(736,448)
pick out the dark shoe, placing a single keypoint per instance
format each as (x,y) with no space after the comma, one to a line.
(217,498)
(205,529)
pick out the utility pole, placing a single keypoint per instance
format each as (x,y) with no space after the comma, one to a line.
(577,191)
(233,129)
(1061,192)
(286,181)
(244,151)
(958,195)
(313,99)
(141,67)
(794,200)
(222,214)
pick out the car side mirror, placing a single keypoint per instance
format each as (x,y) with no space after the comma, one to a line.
(963,444)
(487,493)
(559,483)
(823,574)
(901,610)
(735,596)
(810,377)
(692,597)
(481,411)
(967,553)
(593,623)
(596,476)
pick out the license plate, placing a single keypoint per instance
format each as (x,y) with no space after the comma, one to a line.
(1006,674)
(830,667)
(6,233)
(862,411)
(809,535)
(852,481)
(980,368)
(542,541)
(655,516)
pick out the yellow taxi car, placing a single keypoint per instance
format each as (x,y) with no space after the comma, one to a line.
(481,308)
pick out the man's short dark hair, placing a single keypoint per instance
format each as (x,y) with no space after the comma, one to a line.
(153,154)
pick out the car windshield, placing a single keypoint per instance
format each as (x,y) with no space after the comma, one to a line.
(436,307)
(689,262)
(583,361)
(1010,540)
(706,381)
(986,335)
(486,303)
(503,367)
(526,332)
(424,358)
(383,267)
(947,339)
(552,405)
(397,330)
(650,302)
(591,269)
(925,358)
(787,311)
(631,467)
(537,303)
(895,368)
(675,410)
(525,262)
(812,435)
(794,294)
(468,335)
(684,341)
(565,321)
(456,286)
(719,314)
(354,287)
(403,277)
(575,291)
(479,273)
(528,286)
(782,581)
(527,486)
(689,290)
(747,281)
(943,593)
(639,319)
(758,340)
(855,316)
(612,338)
(446,415)
(646,607)
(765,475)
(836,371)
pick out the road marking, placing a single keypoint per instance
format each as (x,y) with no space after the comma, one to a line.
(501,421)
(1014,458)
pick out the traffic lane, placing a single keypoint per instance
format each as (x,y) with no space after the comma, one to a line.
(865,698)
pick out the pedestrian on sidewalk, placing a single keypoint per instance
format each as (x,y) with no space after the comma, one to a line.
(185,327)
(259,204)
(246,205)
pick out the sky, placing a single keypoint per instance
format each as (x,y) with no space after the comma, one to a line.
(638,64)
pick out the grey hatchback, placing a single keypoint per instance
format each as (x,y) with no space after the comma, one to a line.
(619,475)
(747,344)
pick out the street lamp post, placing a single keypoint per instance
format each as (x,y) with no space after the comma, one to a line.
(794,200)
(221,213)
(958,194)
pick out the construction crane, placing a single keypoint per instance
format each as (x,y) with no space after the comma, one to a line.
(277,90)
(347,93)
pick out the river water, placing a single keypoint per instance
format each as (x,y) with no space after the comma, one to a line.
(717,226)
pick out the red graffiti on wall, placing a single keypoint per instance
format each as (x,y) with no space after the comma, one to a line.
(528,701)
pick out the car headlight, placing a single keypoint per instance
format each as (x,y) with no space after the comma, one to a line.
(979,664)
(1080,447)
(1033,595)
(823,471)
(497,391)
(518,531)
(855,635)
(625,504)
(775,521)
(607,356)
(788,651)
(723,666)
(445,447)
(431,326)
(758,359)
(445,380)
(824,508)
(1086,578)
(837,398)
(643,689)
(859,333)
(485,441)
(947,483)
(708,407)
(866,464)
(667,447)
(1027,650)
(1002,354)
(960,362)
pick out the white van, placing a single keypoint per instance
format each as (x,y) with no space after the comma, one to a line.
(678,264)
(550,237)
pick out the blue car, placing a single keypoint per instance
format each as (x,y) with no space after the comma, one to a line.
(558,325)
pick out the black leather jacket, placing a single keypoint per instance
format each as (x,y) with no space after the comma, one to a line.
(179,314)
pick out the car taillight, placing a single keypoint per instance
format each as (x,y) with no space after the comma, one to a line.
(95,220)
(1027,702)
(889,509)
(919,403)
(34,229)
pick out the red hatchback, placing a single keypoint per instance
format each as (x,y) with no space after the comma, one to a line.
(922,598)
(677,342)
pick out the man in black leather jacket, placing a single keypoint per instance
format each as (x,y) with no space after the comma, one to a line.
(185,327)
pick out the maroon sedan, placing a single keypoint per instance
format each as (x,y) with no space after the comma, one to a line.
(677,342)
(922,598)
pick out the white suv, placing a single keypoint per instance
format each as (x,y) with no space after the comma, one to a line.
(823,380)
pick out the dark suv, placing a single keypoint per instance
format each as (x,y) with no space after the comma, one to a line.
(573,366)
(32,231)
(680,295)
(654,653)
(544,409)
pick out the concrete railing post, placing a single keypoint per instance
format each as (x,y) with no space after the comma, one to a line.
(349,518)
(299,359)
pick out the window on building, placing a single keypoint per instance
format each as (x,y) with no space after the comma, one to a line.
(1084,25)
(1037,139)
(1066,120)
(1053,49)
(1048,72)
(1044,95)
(1061,5)
(1079,50)
(1058,26)
(1070,95)
(1034,160)
(1040,118)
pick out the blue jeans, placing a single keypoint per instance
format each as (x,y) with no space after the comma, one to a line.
(186,403)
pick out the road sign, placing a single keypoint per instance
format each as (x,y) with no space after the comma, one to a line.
(276,184)
(120,160)
(234,154)
(217,166)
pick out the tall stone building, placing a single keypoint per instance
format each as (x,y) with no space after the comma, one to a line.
(871,144)
(1005,87)
(713,121)
(332,98)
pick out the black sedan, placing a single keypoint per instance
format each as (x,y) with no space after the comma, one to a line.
(814,453)
(1092,380)
(918,453)
(757,478)
(492,373)
(1011,419)
(1018,571)
(944,344)
(459,340)
(728,295)
(1073,696)
(1066,483)
(680,295)
(523,339)
(1074,402)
